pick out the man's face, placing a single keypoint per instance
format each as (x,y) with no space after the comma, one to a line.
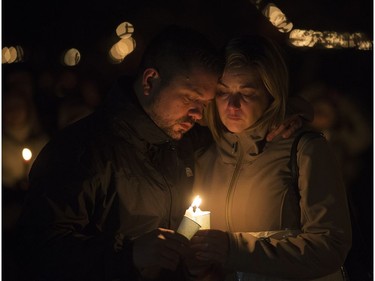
(179,104)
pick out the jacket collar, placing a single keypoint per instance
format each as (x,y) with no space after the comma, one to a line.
(250,144)
(127,114)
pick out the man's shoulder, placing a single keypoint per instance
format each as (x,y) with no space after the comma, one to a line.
(67,151)
(84,128)
(72,138)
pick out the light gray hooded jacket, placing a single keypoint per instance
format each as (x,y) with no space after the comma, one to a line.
(274,235)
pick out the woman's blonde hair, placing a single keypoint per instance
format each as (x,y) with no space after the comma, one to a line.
(266,57)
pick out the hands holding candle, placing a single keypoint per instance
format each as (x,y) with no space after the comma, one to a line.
(210,245)
(158,249)
(194,219)
(210,249)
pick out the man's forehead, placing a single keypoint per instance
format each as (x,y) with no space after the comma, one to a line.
(202,83)
(202,71)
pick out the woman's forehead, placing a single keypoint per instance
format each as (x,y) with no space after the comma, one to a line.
(240,74)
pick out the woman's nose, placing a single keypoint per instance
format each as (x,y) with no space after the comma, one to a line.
(234,101)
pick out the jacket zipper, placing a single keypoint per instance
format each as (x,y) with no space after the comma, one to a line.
(170,209)
(232,186)
(172,148)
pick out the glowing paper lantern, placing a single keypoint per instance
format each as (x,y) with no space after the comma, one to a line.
(277,18)
(72,57)
(124,30)
(121,49)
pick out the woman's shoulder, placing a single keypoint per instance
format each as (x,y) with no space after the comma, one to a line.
(298,138)
(312,144)
(305,135)
(305,140)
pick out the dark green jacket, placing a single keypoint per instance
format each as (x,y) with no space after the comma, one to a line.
(101,182)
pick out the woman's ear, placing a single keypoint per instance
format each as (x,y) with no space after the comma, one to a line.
(148,80)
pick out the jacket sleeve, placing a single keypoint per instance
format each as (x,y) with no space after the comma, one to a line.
(325,237)
(62,230)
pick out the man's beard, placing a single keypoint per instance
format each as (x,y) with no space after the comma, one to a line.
(168,126)
(153,109)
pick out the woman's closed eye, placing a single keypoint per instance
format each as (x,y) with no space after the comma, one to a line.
(222,95)
(249,97)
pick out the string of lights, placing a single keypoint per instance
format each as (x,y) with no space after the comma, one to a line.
(297,37)
(312,38)
(72,56)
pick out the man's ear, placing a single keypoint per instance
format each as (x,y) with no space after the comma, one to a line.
(148,80)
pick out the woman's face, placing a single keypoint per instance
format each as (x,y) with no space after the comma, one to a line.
(241,98)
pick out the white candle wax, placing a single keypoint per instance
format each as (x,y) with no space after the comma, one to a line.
(196,214)
(203,218)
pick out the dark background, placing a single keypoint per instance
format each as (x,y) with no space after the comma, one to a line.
(46,28)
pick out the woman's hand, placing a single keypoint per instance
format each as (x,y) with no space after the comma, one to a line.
(210,245)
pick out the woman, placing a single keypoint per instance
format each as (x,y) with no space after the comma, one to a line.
(260,228)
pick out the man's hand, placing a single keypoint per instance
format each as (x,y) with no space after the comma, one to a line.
(210,245)
(160,248)
(203,271)
(287,128)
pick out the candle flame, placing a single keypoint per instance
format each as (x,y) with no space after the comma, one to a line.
(26,154)
(196,202)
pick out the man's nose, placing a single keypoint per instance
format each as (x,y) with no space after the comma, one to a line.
(196,111)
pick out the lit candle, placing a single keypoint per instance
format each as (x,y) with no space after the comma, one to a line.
(196,214)
(26,155)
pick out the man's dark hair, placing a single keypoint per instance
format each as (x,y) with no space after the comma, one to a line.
(177,49)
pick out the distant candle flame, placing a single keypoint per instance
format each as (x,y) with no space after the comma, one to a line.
(26,154)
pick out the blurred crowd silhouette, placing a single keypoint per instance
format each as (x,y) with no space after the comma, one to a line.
(34,108)
(339,116)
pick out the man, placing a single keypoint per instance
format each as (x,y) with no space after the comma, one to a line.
(108,193)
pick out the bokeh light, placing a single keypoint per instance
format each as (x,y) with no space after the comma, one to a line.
(125,30)
(12,54)
(277,18)
(72,57)
(26,154)
(121,49)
